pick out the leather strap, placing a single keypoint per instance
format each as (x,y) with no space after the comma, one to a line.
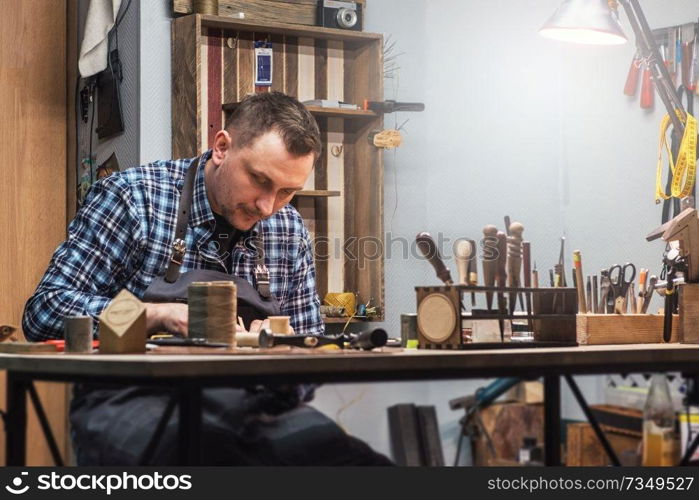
(178,245)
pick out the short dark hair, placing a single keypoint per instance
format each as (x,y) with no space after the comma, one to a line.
(257,114)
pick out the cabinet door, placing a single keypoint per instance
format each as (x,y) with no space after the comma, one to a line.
(33,188)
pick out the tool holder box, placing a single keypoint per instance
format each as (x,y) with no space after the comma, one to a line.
(441,312)
(605,329)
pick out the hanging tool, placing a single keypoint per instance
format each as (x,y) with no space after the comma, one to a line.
(579,283)
(620,277)
(647,87)
(687,55)
(490,260)
(429,250)
(514,260)
(631,86)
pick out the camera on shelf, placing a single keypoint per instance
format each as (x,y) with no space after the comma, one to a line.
(340,14)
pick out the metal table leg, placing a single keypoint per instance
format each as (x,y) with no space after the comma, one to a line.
(190,424)
(552,420)
(16,420)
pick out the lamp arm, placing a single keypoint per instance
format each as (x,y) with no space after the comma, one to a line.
(649,50)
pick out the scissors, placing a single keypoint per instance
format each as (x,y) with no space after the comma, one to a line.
(621,277)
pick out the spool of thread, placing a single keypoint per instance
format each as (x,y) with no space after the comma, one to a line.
(209,7)
(221,312)
(280,324)
(197,293)
(77,332)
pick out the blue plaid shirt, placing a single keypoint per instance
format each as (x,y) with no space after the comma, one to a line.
(122,237)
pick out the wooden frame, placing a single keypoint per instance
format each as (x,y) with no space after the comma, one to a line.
(342,204)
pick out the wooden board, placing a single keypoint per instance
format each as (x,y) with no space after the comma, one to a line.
(34,202)
(599,329)
(186,85)
(508,424)
(689,314)
(288,11)
(583,449)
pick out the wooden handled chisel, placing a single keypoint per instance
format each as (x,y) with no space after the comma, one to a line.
(429,250)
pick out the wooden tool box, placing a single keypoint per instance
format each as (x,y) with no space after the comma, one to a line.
(602,329)
(440,315)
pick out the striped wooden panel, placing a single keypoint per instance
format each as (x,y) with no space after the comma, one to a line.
(291,64)
(203,122)
(306,81)
(336,167)
(246,59)
(278,57)
(230,68)
(215,113)
(321,246)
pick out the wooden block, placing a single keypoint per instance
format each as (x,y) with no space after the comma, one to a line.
(619,419)
(26,348)
(438,317)
(123,325)
(405,439)
(558,301)
(601,329)
(508,424)
(689,314)
(583,449)
(289,11)
(528,392)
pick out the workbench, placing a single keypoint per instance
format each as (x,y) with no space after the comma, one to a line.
(188,374)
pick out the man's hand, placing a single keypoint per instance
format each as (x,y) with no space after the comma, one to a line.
(168,317)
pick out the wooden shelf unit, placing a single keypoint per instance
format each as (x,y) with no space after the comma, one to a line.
(342,205)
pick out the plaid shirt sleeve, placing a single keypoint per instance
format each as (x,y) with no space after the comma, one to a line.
(302,302)
(89,268)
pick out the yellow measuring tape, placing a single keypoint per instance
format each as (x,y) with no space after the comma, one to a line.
(685,170)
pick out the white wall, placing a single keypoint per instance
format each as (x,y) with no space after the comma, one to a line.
(515,124)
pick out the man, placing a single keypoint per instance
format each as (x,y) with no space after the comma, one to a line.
(123,237)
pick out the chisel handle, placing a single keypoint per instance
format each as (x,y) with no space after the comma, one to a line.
(631,86)
(647,89)
(429,250)
(462,254)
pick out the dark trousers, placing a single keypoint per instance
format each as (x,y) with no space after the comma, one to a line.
(114,426)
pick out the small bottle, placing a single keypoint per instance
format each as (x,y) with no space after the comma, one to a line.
(658,424)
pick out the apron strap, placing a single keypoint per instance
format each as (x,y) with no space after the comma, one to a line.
(178,245)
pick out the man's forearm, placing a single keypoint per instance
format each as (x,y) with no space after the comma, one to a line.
(45,310)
